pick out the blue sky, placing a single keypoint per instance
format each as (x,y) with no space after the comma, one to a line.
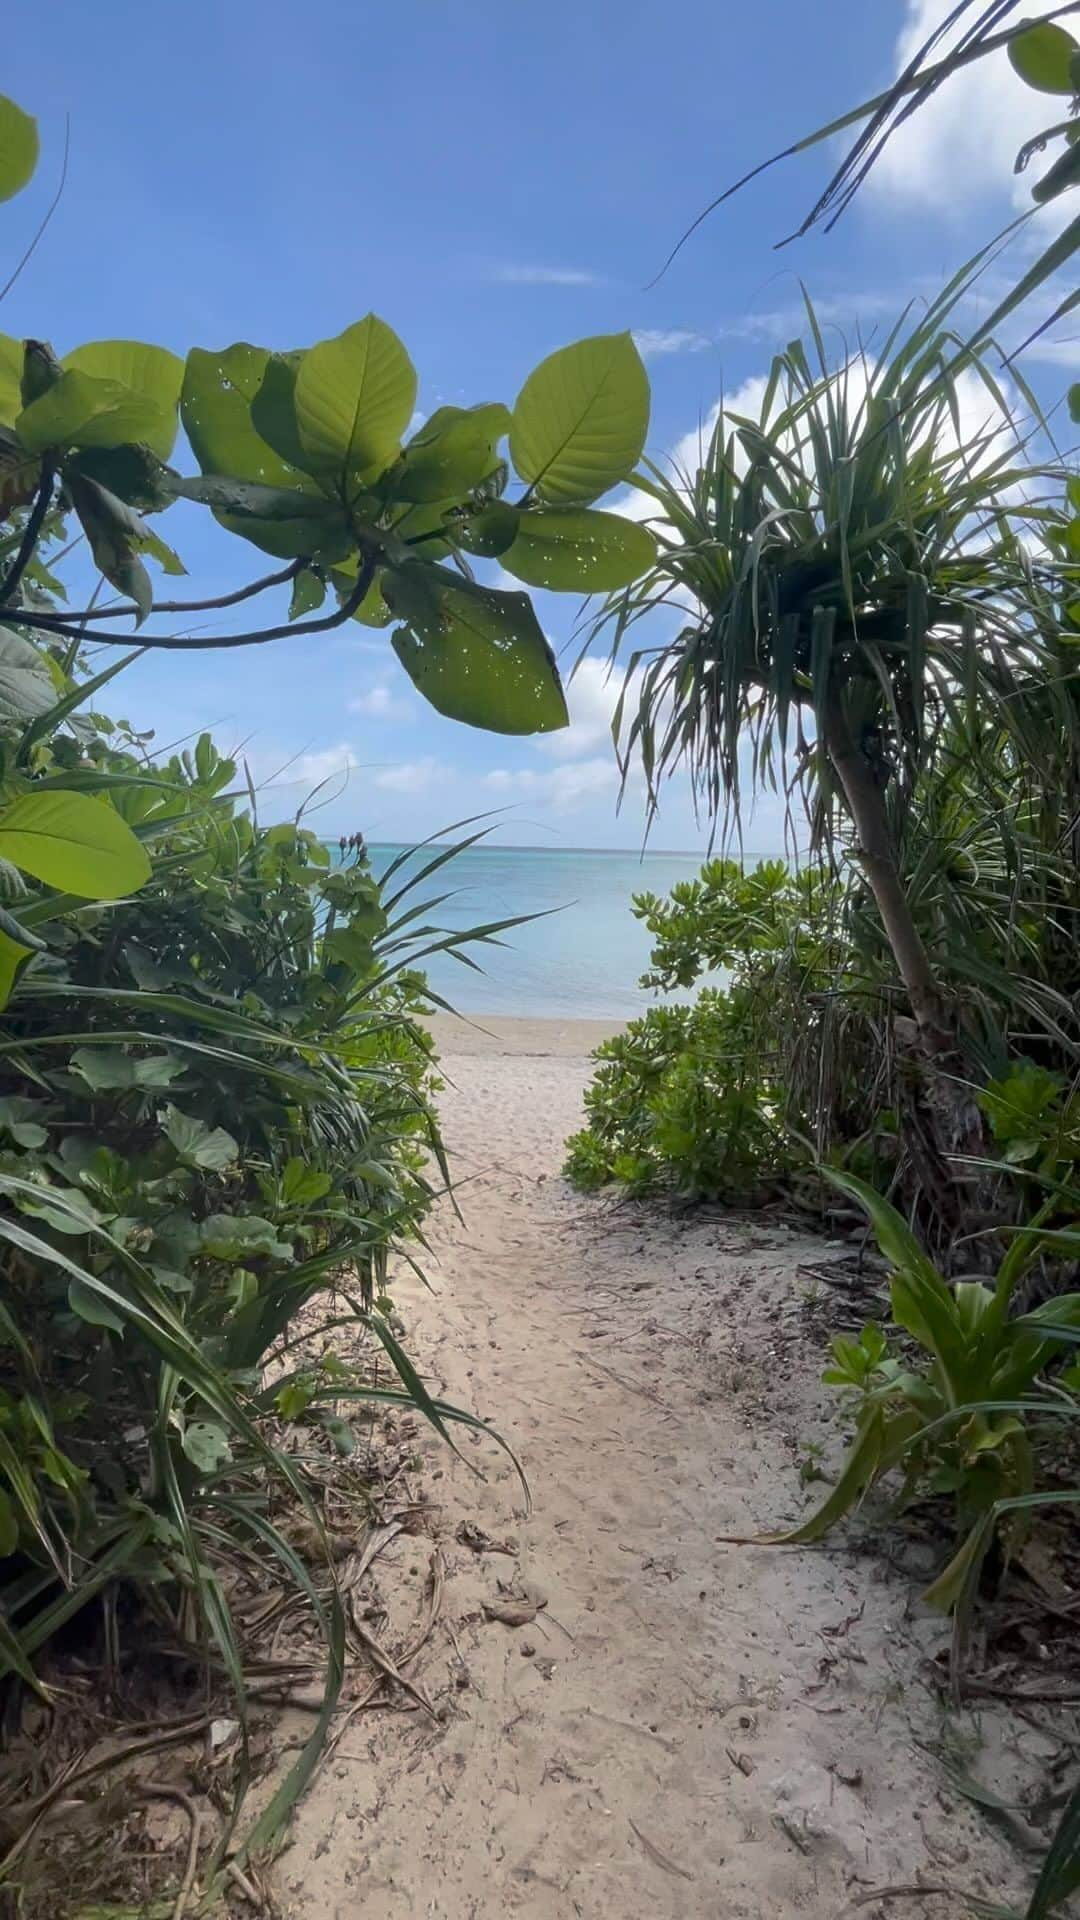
(494,180)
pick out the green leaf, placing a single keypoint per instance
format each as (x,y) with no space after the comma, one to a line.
(295,1397)
(132,472)
(153,373)
(27,688)
(1064,173)
(115,533)
(11,364)
(273,410)
(195,1142)
(216,399)
(79,410)
(74,842)
(354,398)
(301,1184)
(1041,55)
(90,1306)
(110,1068)
(451,453)
(339,1432)
(581,418)
(241,1236)
(206,1445)
(12,955)
(9,1527)
(18,148)
(283,521)
(489,532)
(308,594)
(891,1231)
(475,654)
(579,550)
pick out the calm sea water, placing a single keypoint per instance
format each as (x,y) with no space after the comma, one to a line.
(581,960)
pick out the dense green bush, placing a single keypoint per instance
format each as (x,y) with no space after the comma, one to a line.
(736,1092)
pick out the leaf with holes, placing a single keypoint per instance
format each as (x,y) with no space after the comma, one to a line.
(578,550)
(475,654)
(451,453)
(206,1445)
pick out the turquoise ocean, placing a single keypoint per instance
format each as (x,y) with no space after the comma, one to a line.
(581,960)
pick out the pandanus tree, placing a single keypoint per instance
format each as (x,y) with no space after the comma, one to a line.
(856,582)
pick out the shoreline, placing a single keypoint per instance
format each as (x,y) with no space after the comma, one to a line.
(503,1036)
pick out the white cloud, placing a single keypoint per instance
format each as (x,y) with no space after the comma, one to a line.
(591,696)
(510,275)
(961,145)
(562,788)
(309,770)
(411,776)
(379,703)
(651,341)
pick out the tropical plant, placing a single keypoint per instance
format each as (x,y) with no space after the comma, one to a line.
(215,1126)
(302,454)
(957,1423)
(720,1098)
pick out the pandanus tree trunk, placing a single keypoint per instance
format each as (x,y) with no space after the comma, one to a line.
(949,1121)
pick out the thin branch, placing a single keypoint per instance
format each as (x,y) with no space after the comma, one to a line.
(54,203)
(202,606)
(40,508)
(172,643)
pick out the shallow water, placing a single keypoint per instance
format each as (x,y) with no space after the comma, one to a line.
(581,960)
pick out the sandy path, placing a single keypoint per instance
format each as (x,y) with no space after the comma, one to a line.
(687,1728)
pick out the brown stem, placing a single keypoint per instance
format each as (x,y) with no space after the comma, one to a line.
(33,527)
(172,643)
(233,599)
(866,806)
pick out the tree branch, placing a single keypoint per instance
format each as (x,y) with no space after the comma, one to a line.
(195,606)
(36,516)
(172,643)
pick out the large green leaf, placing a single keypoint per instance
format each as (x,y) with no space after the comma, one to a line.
(1041,56)
(451,453)
(18,148)
(577,549)
(581,418)
(74,842)
(26,686)
(475,654)
(11,364)
(354,398)
(273,410)
(202,1146)
(218,393)
(154,373)
(80,410)
(282,520)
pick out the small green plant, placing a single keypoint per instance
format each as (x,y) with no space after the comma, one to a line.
(956,1421)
